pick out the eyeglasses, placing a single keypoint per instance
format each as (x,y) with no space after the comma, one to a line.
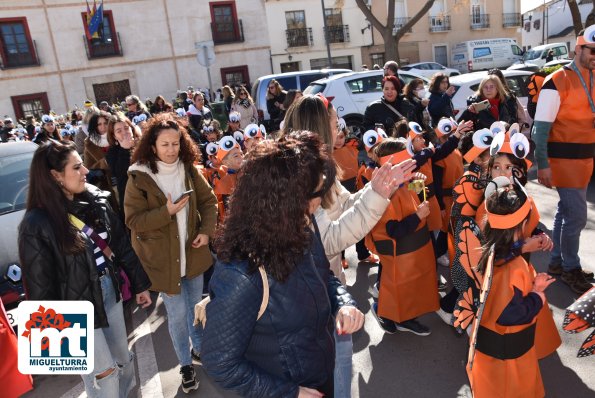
(244,93)
(591,49)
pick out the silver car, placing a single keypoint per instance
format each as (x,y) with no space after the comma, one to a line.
(15,160)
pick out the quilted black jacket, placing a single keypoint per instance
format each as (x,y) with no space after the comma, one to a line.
(49,274)
(378,112)
(292,344)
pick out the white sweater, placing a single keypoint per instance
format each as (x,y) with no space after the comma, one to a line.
(170,180)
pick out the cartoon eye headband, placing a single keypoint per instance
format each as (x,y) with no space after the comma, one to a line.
(507,221)
(446,127)
(238,136)
(373,137)
(587,38)
(234,117)
(342,124)
(208,129)
(254,131)
(225,145)
(512,142)
(181,112)
(47,119)
(139,119)
(395,158)
(482,139)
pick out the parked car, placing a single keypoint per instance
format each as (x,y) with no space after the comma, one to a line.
(534,58)
(484,54)
(352,92)
(467,84)
(556,62)
(289,80)
(428,69)
(15,160)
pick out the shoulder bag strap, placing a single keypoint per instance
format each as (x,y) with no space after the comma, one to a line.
(392,108)
(94,236)
(265,292)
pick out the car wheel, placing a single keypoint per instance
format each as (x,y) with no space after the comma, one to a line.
(355,124)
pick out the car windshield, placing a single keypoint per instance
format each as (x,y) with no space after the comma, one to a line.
(532,54)
(314,88)
(14,180)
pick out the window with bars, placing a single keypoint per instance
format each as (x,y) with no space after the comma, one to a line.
(17,48)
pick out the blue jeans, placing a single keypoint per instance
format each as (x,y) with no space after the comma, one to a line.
(343,365)
(111,351)
(569,221)
(180,318)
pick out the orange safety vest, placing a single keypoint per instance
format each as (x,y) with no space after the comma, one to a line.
(408,287)
(506,362)
(571,142)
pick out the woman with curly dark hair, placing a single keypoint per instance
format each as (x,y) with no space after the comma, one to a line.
(171,211)
(289,350)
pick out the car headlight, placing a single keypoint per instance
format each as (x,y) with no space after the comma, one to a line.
(14,272)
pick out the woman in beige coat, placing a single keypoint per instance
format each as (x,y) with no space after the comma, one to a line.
(171,211)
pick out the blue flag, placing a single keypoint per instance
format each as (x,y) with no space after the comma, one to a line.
(96,22)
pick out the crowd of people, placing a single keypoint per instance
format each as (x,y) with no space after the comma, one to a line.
(163,196)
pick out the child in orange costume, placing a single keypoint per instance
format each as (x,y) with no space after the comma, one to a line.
(503,360)
(345,154)
(224,179)
(402,240)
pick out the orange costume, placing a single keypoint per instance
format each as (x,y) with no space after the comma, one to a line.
(505,361)
(453,170)
(408,285)
(346,159)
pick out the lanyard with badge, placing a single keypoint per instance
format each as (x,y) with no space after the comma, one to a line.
(587,89)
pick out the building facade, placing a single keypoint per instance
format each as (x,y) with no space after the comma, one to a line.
(447,23)
(297,33)
(146,47)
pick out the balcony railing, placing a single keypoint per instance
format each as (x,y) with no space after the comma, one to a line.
(20,60)
(337,34)
(300,37)
(480,21)
(440,23)
(510,20)
(98,49)
(399,23)
(227,33)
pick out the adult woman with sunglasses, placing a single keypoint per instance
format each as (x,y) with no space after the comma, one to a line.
(244,105)
(288,350)
(275,97)
(71,246)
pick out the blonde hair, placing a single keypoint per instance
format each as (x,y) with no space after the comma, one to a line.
(499,86)
(227,92)
(278,88)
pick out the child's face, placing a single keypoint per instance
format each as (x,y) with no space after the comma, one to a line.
(418,143)
(211,136)
(250,142)
(502,167)
(340,141)
(216,163)
(233,159)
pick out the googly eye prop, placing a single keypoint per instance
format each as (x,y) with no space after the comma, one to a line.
(446,127)
(139,119)
(211,148)
(238,136)
(373,137)
(414,130)
(512,142)
(47,119)
(208,129)
(342,124)
(588,37)
(37,129)
(507,221)
(181,112)
(225,145)
(253,131)
(482,139)
(235,117)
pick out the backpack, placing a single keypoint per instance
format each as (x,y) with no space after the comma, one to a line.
(534,84)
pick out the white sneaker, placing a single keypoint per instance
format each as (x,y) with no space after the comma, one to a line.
(375,290)
(445,316)
(443,260)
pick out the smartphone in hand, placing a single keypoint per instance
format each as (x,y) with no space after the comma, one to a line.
(480,106)
(183,195)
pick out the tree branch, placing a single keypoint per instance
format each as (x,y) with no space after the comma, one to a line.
(369,16)
(405,28)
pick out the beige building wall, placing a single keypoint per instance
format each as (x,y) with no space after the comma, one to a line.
(282,53)
(421,44)
(157,38)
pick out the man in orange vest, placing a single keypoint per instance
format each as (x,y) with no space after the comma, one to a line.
(564,131)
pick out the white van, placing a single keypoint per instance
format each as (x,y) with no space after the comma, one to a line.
(537,55)
(475,55)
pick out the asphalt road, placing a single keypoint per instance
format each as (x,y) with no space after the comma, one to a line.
(399,365)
